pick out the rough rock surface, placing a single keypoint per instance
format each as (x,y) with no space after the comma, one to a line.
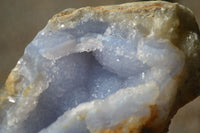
(187,119)
(104,69)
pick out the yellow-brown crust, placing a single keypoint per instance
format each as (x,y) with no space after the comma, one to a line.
(129,7)
(11,83)
(10,87)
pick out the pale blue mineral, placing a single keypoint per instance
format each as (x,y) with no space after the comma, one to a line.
(93,69)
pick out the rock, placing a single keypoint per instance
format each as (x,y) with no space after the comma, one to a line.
(105,69)
(187,119)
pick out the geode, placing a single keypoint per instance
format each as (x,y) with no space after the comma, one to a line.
(187,118)
(109,69)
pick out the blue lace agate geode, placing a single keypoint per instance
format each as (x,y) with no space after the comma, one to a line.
(105,69)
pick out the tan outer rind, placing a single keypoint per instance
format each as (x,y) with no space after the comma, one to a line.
(128,7)
(10,86)
(9,90)
(71,17)
(187,118)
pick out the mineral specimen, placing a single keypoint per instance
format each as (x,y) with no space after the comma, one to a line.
(187,119)
(109,69)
